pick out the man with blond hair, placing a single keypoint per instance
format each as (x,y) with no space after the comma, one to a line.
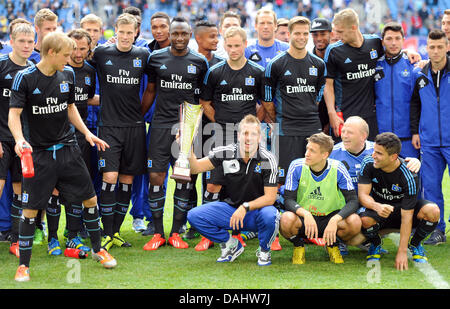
(22,43)
(350,65)
(250,187)
(266,46)
(120,69)
(321,200)
(45,21)
(45,94)
(231,90)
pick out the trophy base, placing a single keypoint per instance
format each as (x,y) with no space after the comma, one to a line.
(181,178)
(181,174)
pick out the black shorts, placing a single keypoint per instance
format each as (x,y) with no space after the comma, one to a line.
(223,135)
(162,149)
(289,149)
(67,172)
(395,219)
(321,221)
(127,152)
(85,148)
(10,162)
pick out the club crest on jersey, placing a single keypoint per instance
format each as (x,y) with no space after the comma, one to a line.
(149,163)
(373,54)
(137,63)
(192,69)
(396,188)
(258,168)
(64,87)
(280,172)
(313,71)
(249,81)
(405,73)
(101,163)
(87,80)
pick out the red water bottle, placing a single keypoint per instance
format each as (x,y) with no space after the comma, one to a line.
(75,253)
(340,115)
(27,162)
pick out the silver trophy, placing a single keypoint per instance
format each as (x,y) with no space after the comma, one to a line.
(190,119)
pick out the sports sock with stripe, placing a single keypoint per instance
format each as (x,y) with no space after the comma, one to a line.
(16,214)
(26,236)
(53,215)
(180,205)
(156,200)
(423,229)
(107,206)
(123,196)
(92,221)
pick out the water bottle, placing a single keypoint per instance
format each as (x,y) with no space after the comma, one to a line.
(75,253)
(27,162)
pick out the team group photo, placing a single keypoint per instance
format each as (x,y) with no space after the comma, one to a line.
(212,144)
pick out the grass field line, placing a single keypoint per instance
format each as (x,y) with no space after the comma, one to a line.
(431,275)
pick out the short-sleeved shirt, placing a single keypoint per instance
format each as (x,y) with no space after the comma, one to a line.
(85,85)
(119,76)
(44,100)
(176,79)
(398,188)
(296,86)
(8,70)
(353,70)
(262,55)
(233,93)
(244,182)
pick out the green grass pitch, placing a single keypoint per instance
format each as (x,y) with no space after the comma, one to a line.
(169,268)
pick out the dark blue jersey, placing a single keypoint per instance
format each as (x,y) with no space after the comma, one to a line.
(8,70)
(296,85)
(352,70)
(44,100)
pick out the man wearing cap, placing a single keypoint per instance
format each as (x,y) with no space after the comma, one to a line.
(321,34)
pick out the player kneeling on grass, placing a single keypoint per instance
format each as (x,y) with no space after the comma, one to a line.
(43,104)
(320,199)
(388,191)
(250,187)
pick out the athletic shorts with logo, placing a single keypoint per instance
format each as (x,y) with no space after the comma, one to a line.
(63,169)
(127,150)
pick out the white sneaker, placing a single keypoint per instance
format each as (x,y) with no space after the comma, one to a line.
(230,251)
(138,225)
(264,258)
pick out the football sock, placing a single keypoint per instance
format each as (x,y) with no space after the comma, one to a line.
(123,197)
(107,206)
